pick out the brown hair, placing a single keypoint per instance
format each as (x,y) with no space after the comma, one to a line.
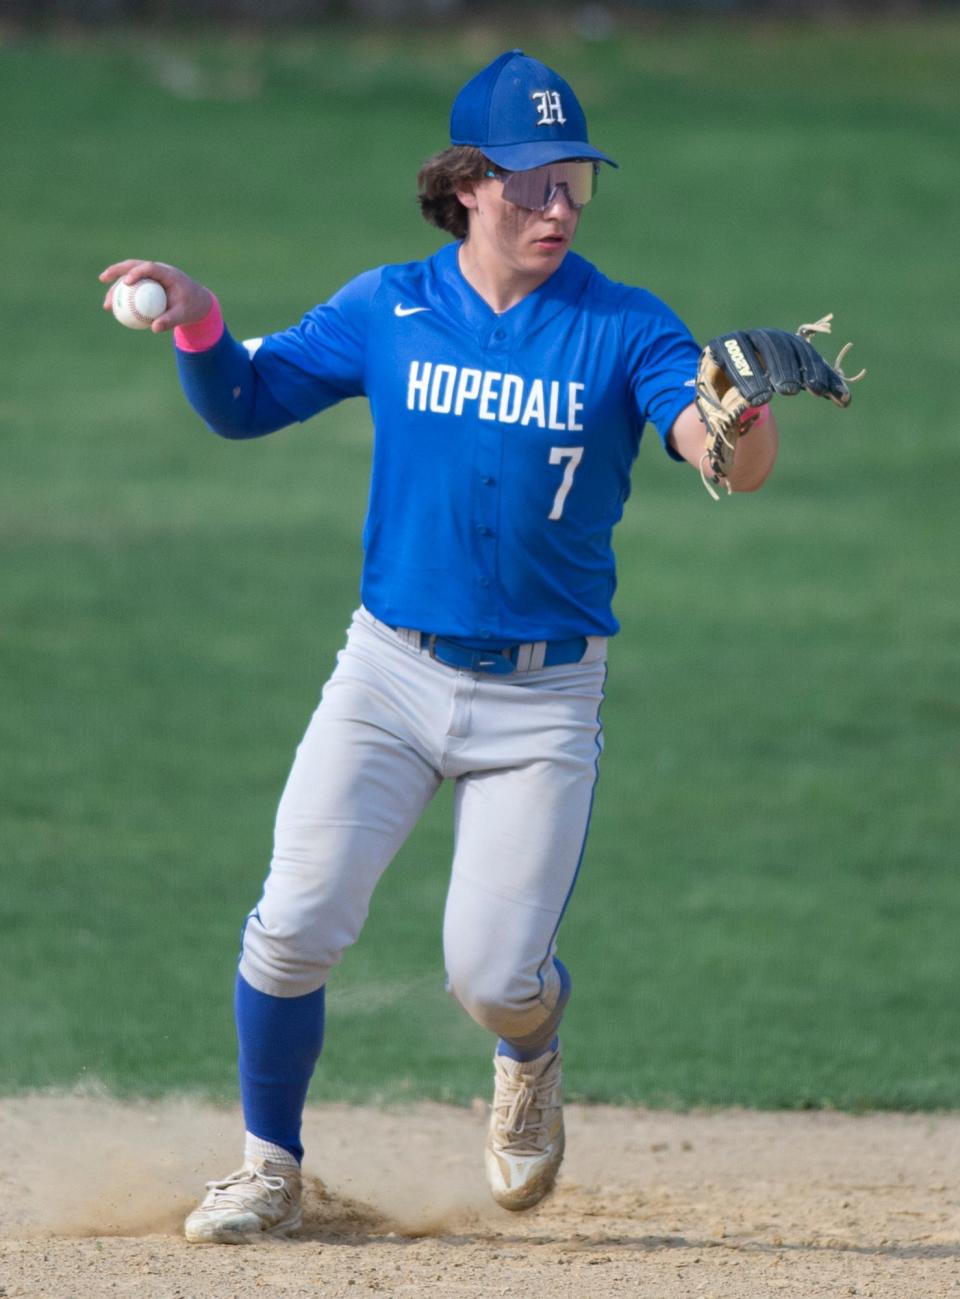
(438,180)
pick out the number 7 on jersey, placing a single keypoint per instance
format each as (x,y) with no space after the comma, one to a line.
(573,456)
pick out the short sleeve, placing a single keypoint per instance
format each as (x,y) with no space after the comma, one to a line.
(661,356)
(321,360)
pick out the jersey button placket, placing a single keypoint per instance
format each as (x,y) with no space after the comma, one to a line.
(487,491)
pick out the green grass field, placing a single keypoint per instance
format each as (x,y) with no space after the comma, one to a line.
(769,907)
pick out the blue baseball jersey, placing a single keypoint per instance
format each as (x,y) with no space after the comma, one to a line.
(503,444)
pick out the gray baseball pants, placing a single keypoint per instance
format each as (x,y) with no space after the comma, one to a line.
(392,723)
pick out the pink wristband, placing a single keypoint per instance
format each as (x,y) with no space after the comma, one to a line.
(754,415)
(202,335)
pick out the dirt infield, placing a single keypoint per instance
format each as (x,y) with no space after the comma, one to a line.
(730,1204)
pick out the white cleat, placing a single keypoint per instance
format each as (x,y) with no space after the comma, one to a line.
(260,1199)
(525,1137)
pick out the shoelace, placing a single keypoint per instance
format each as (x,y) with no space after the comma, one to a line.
(521,1133)
(251,1178)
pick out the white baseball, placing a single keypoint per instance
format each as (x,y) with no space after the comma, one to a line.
(137,305)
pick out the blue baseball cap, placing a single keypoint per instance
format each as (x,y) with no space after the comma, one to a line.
(521,114)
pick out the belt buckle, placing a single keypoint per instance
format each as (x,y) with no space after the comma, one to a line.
(495,662)
(501,662)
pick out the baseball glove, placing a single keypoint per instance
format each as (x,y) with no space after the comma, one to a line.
(740,372)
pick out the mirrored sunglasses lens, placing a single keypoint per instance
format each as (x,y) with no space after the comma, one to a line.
(535,189)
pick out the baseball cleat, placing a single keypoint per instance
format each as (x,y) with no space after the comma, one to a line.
(525,1137)
(252,1202)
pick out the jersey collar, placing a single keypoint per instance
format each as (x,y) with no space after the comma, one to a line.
(562,290)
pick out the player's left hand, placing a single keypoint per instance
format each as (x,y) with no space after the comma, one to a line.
(743,370)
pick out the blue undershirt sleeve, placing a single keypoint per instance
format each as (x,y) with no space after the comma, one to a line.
(247,390)
(225,390)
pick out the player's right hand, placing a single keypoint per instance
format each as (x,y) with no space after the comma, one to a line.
(187,301)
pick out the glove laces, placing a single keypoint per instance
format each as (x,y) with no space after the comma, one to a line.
(825,326)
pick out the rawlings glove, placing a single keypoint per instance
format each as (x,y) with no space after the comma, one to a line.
(740,372)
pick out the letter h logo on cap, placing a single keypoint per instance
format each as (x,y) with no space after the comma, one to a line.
(521,114)
(549,107)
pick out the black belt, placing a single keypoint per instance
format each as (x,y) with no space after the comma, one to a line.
(499,661)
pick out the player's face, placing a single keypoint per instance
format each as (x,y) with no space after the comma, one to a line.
(527,242)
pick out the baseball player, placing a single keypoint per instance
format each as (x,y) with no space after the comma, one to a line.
(509,383)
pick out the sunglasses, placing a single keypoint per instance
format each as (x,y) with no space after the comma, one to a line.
(537,188)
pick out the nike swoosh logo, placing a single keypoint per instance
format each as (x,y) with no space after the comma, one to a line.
(407,311)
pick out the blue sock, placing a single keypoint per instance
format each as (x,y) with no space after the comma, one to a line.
(525,1053)
(280,1039)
